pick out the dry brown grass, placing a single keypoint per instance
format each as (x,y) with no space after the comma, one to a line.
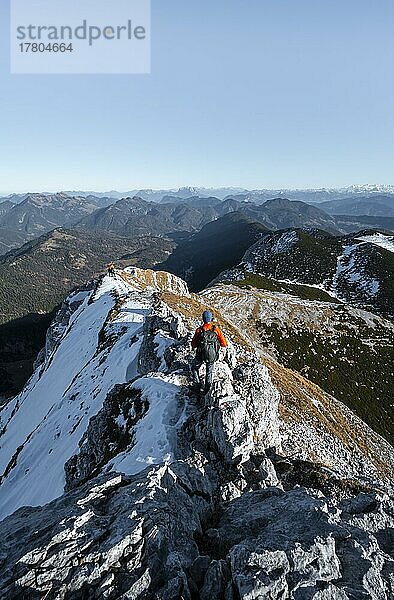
(191,308)
(296,406)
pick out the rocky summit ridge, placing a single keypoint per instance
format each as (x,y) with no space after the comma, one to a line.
(118,482)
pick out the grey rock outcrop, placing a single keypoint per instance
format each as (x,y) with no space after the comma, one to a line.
(109,432)
(163,534)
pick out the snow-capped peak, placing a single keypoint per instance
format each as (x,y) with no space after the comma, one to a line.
(368,188)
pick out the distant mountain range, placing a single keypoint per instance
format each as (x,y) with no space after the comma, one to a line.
(180,193)
(38,214)
(378,205)
(134,216)
(275,213)
(176,216)
(99,198)
(259,195)
(280,213)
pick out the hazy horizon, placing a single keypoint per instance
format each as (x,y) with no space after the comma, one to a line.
(177,188)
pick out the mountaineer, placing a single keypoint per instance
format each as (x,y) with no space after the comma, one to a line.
(111,270)
(207,341)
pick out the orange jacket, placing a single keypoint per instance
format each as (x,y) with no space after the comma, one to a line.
(207,326)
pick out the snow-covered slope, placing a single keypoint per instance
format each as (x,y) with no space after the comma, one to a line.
(356,269)
(384,241)
(351,280)
(97,349)
(158,493)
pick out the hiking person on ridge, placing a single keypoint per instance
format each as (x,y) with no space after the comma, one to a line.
(207,341)
(111,270)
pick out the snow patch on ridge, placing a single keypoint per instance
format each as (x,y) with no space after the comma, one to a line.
(155,434)
(263,248)
(285,242)
(383,241)
(348,273)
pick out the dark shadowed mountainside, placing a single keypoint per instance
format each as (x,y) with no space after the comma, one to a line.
(20,342)
(218,246)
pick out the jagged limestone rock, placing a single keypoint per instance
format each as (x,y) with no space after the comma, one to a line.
(109,432)
(249,421)
(216,580)
(260,572)
(146,537)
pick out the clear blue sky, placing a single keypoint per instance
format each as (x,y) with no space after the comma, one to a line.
(256,93)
